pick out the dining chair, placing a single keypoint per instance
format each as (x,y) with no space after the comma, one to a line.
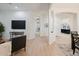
(74,41)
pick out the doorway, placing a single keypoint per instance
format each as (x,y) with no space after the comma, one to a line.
(67,21)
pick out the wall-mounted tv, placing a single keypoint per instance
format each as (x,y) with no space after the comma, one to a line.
(18,24)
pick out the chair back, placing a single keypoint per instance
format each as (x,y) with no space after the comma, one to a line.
(72,38)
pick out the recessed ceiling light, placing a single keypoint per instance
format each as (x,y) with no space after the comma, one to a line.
(16,7)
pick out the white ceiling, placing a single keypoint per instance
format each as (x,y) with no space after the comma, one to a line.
(24,6)
(34,6)
(66,5)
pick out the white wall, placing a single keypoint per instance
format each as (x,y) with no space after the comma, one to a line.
(30,17)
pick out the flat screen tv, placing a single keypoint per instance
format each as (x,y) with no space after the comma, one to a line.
(18,24)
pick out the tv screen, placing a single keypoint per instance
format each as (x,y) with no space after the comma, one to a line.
(18,24)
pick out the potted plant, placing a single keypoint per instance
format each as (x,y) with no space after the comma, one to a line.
(1,29)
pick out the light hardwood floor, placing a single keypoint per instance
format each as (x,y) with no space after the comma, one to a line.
(40,47)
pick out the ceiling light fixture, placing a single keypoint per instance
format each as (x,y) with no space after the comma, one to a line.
(16,7)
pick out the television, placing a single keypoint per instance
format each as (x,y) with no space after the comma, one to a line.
(18,24)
